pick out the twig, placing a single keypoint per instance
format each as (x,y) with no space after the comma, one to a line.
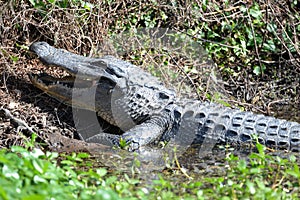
(181,169)
(4,82)
(186,75)
(274,102)
(282,42)
(222,11)
(15,121)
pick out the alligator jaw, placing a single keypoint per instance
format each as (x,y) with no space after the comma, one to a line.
(60,88)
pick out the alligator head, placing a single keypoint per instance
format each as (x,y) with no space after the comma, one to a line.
(101,84)
(88,77)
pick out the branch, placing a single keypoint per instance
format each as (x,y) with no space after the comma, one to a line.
(4,113)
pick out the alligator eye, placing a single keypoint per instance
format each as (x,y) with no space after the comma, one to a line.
(177,114)
(99,63)
(110,91)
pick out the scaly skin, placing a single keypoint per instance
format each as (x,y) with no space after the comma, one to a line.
(233,126)
(136,102)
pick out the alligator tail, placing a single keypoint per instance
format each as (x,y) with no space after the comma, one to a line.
(214,122)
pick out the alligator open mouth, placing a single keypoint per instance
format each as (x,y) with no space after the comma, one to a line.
(45,81)
(61,88)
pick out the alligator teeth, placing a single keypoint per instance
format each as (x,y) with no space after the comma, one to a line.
(67,85)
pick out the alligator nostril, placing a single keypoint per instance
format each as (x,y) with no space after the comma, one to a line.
(138,96)
(163,95)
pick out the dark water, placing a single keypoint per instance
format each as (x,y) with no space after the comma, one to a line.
(195,160)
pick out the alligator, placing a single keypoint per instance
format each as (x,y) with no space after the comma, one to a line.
(146,111)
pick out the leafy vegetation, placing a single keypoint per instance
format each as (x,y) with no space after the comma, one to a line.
(38,175)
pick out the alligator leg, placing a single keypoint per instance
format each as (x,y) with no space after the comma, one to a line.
(142,134)
(160,127)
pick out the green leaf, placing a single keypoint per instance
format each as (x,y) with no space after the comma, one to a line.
(242,165)
(295,172)
(101,172)
(269,46)
(271,27)
(259,70)
(38,179)
(32,2)
(251,187)
(52,1)
(106,195)
(8,172)
(88,6)
(243,9)
(36,153)
(14,58)
(37,166)
(34,197)
(122,143)
(293,158)
(83,155)
(255,12)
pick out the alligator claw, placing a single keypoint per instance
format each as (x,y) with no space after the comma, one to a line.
(133,146)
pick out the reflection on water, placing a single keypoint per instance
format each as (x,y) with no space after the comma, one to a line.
(195,160)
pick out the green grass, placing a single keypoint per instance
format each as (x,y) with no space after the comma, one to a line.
(37,175)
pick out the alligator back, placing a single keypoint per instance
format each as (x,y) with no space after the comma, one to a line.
(218,124)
